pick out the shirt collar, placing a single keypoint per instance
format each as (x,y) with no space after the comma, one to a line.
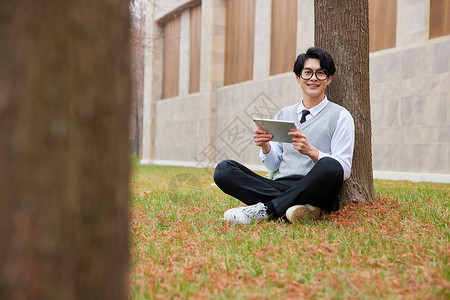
(314,110)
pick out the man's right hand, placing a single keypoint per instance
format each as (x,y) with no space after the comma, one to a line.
(262,139)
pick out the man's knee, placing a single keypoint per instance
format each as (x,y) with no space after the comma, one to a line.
(330,166)
(222,170)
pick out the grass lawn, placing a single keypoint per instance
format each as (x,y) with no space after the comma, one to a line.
(396,246)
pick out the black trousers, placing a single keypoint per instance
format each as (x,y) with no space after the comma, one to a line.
(320,187)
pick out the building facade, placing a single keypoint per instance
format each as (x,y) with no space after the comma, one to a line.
(213,65)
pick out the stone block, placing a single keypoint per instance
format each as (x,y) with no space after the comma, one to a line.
(448,108)
(427,158)
(161,152)
(401,134)
(388,136)
(374,92)
(436,109)
(379,92)
(376,138)
(441,58)
(392,112)
(412,22)
(423,110)
(423,67)
(377,157)
(405,158)
(420,108)
(435,134)
(305,25)
(393,67)
(434,83)
(395,135)
(377,109)
(444,134)
(407,111)
(377,69)
(421,152)
(384,157)
(418,11)
(393,88)
(402,3)
(420,86)
(431,134)
(412,134)
(408,64)
(217,66)
(219,29)
(444,83)
(405,88)
(447,158)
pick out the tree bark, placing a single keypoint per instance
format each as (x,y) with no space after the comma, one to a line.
(342,29)
(64,109)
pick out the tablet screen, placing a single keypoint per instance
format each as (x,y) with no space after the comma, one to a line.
(278,128)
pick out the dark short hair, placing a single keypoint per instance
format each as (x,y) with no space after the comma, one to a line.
(326,61)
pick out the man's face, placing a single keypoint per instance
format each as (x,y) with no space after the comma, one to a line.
(313,87)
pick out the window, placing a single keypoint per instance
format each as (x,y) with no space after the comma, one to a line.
(171,69)
(239,40)
(439,18)
(283,41)
(195,48)
(382,24)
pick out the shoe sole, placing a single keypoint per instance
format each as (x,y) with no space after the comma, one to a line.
(302,212)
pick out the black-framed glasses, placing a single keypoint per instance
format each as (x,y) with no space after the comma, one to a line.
(307,74)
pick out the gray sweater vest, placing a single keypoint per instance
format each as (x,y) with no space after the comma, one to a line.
(318,130)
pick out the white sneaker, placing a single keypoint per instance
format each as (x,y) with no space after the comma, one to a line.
(302,212)
(246,214)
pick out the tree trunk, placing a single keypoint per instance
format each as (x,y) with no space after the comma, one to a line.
(342,29)
(64,109)
(137,79)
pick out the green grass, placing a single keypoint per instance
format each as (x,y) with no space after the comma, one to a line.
(396,246)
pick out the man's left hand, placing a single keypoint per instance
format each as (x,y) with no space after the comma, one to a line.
(301,144)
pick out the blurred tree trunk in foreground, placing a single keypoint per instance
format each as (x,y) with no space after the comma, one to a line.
(342,29)
(64,117)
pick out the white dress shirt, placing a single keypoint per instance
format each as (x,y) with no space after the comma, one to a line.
(342,142)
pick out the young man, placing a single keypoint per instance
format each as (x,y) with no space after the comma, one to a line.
(310,170)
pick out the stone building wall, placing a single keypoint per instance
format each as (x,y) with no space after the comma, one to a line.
(410,102)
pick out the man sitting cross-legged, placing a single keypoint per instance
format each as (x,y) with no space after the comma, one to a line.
(310,170)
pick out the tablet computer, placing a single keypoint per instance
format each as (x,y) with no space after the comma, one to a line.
(278,128)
